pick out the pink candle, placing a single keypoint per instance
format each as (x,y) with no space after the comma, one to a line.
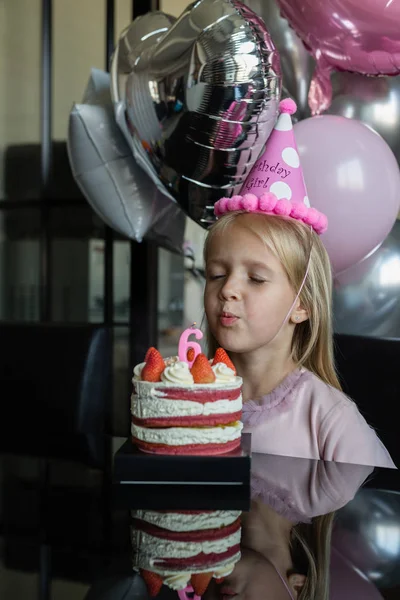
(185,344)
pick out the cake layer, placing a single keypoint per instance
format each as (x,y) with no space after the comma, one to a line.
(201,562)
(182,436)
(143,408)
(167,549)
(179,577)
(188,449)
(187,536)
(187,520)
(199,421)
(194,564)
(207,392)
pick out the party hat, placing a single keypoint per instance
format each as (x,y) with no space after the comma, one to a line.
(276,184)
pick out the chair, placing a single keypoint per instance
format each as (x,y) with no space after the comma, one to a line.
(369,371)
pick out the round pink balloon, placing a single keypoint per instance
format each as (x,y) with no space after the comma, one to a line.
(352,176)
(349,35)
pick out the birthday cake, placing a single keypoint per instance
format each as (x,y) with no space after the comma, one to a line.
(185,548)
(186,404)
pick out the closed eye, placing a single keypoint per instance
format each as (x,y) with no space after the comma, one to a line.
(257,280)
(214,277)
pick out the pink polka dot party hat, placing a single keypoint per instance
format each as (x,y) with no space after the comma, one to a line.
(276,183)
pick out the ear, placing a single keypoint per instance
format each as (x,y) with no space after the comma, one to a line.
(299,315)
(296,583)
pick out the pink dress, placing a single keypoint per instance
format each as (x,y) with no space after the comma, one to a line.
(307,418)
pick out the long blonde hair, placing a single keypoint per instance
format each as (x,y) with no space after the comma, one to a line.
(293,243)
(311,553)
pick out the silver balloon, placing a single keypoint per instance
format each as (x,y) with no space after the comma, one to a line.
(368,534)
(144,32)
(366,299)
(203,101)
(373,100)
(296,63)
(117,189)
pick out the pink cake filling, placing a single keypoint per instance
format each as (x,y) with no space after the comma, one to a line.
(190,421)
(188,449)
(201,395)
(187,536)
(197,562)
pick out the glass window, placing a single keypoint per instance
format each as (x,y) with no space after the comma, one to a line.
(20,44)
(19,265)
(77,264)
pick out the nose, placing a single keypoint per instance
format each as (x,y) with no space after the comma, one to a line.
(230,290)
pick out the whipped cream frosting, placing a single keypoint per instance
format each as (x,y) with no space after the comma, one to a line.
(161,548)
(188,522)
(137,371)
(160,407)
(182,436)
(177,372)
(223,373)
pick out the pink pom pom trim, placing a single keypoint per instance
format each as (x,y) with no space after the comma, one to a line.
(283,207)
(250,202)
(299,211)
(234,203)
(269,204)
(287,106)
(221,206)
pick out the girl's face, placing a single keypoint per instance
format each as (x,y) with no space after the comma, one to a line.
(247,294)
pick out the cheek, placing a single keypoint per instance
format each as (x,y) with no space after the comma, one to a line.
(209,298)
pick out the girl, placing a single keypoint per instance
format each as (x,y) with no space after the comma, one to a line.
(268,303)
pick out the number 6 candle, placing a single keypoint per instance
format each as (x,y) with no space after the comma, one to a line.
(185,344)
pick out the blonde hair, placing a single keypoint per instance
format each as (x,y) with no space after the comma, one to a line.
(293,243)
(311,552)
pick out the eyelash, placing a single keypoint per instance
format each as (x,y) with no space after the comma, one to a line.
(252,279)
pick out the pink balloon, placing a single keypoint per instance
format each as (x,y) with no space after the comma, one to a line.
(349,35)
(351,176)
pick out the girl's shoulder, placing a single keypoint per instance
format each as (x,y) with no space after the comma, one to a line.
(324,393)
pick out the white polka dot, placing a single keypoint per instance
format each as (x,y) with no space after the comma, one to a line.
(306,201)
(281,190)
(284,122)
(291,157)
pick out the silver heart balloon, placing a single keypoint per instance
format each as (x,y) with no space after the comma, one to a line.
(366,296)
(373,100)
(297,64)
(142,33)
(203,101)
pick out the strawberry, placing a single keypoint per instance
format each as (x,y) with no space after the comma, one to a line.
(153,582)
(219,579)
(201,370)
(221,356)
(200,582)
(190,355)
(149,351)
(154,366)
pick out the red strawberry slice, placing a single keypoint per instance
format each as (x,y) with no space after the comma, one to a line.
(200,582)
(202,371)
(220,579)
(154,366)
(190,354)
(221,356)
(153,582)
